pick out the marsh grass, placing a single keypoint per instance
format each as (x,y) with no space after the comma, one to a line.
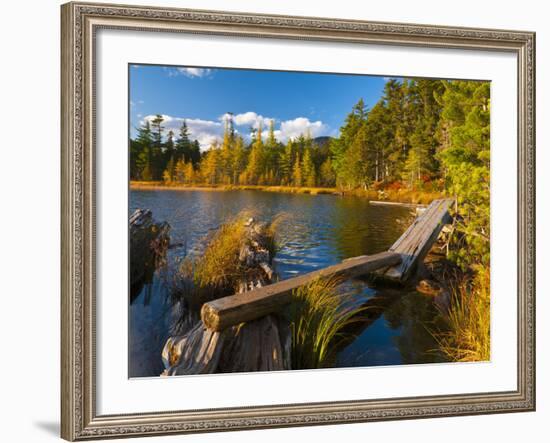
(319,313)
(218,270)
(467,337)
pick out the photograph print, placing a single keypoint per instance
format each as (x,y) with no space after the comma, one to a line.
(299,221)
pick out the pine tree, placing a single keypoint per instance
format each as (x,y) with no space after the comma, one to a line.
(286,163)
(355,120)
(179,169)
(309,176)
(272,154)
(227,150)
(170,156)
(211,169)
(190,173)
(195,157)
(239,160)
(297,178)
(183,144)
(466,160)
(327,177)
(157,160)
(145,158)
(354,168)
(256,160)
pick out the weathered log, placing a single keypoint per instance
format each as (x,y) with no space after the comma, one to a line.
(254,346)
(228,311)
(416,241)
(197,352)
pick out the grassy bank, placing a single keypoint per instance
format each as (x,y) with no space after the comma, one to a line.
(232,257)
(391,195)
(468,321)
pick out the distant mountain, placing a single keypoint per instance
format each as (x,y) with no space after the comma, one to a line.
(322,141)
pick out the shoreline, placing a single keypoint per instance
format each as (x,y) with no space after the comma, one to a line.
(389,196)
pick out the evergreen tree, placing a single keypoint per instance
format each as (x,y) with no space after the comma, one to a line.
(327,177)
(144,161)
(309,176)
(272,155)
(297,177)
(226,153)
(157,160)
(195,157)
(466,160)
(355,120)
(210,169)
(239,160)
(256,159)
(354,167)
(286,163)
(183,144)
(170,157)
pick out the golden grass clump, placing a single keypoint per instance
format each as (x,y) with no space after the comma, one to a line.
(221,266)
(468,321)
(318,316)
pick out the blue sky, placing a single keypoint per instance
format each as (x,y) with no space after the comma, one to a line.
(297,102)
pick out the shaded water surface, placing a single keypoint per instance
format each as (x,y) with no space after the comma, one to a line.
(320,230)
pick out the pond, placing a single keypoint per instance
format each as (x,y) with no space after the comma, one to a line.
(319,230)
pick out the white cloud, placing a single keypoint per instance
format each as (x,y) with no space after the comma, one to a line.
(250,119)
(205,131)
(188,72)
(291,129)
(210,131)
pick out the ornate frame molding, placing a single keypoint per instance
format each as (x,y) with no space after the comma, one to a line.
(79,420)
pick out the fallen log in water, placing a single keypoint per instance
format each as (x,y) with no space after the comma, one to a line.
(259,345)
(149,242)
(224,312)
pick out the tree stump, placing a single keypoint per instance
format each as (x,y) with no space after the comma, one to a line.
(149,241)
(259,345)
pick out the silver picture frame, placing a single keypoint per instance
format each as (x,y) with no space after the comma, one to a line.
(80,22)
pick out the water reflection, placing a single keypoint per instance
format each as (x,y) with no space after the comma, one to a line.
(319,231)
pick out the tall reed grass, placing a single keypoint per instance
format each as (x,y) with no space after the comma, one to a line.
(467,336)
(318,316)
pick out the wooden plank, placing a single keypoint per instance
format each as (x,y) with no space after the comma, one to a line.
(417,240)
(219,314)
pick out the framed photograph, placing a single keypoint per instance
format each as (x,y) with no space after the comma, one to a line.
(283,221)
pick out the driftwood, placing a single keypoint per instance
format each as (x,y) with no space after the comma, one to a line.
(197,352)
(259,345)
(149,242)
(224,312)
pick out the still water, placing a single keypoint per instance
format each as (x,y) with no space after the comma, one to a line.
(320,230)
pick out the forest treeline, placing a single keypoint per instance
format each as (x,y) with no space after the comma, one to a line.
(422,134)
